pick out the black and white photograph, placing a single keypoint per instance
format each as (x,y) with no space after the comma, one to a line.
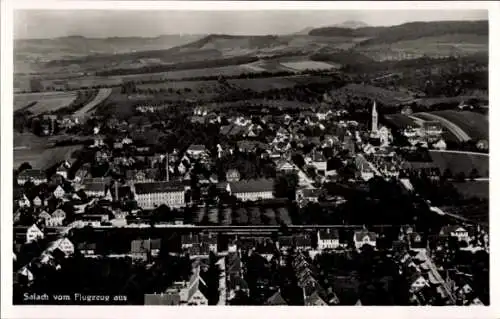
(249,158)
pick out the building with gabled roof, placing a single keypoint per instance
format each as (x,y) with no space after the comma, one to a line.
(36,176)
(276,300)
(154,194)
(328,239)
(364,237)
(252,190)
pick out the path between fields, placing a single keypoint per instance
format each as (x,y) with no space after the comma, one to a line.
(457,131)
(102,95)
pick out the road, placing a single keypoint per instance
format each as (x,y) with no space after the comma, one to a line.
(102,95)
(457,131)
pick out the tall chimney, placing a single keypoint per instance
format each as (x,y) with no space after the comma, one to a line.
(166,166)
(116,191)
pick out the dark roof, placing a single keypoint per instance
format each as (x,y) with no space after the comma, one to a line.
(233,263)
(359,235)
(276,300)
(145,245)
(168,299)
(311,192)
(196,147)
(33,173)
(189,238)
(302,240)
(158,187)
(95,187)
(328,234)
(87,246)
(149,173)
(258,185)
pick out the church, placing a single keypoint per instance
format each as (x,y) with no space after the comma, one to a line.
(380,134)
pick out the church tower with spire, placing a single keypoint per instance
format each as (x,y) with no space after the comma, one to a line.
(374,131)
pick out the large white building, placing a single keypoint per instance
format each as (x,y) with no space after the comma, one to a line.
(252,190)
(151,195)
(36,176)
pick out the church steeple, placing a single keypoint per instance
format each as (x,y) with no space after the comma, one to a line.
(374,118)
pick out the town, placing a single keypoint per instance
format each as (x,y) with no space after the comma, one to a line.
(244,199)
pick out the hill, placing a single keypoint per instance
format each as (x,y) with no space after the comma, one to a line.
(34,51)
(406,31)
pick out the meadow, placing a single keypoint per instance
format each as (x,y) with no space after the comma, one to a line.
(43,102)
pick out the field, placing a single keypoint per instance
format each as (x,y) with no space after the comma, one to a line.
(474,124)
(43,158)
(102,95)
(309,65)
(479,189)
(47,101)
(258,103)
(384,96)
(436,46)
(461,162)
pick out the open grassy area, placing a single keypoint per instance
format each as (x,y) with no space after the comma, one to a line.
(461,162)
(43,158)
(479,189)
(400,121)
(474,124)
(309,65)
(45,102)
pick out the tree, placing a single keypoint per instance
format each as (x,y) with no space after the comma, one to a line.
(474,173)
(24,166)
(461,177)
(447,174)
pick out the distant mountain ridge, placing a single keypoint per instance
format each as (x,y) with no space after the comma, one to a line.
(406,31)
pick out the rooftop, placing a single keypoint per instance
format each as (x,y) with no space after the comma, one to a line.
(158,187)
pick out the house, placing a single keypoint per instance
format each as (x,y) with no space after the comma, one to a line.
(251,190)
(307,195)
(37,202)
(284,166)
(59,192)
(459,232)
(24,201)
(153,194)
(162,299)
(33,233)
(190,293)
(63,169)
(44,216)
(142,248)
(36,176)
(417,282)
(142,175)
(314,300)
(87,249)
(94,187)
(196,151)
(364,237)
(63,244)
(233,175)
(57,218)
(210,240)
(26,273)
(328,239)
(416,241)
(276,300)
(302,242)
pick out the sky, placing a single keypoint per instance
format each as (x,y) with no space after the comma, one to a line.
(108,23)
